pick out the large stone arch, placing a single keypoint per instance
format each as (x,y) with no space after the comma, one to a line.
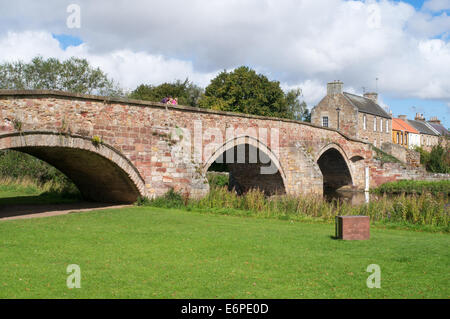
(100,172)
(278,176)
(336,169)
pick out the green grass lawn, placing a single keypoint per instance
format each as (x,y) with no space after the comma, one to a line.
(143,252)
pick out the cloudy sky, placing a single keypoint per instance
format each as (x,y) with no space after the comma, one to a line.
(301,43)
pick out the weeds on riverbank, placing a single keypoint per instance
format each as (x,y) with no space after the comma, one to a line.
(415,187)
(419,210)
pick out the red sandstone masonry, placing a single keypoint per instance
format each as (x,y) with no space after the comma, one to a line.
(141,131)
(353,227)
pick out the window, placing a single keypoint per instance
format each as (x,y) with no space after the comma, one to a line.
(365,122)
(381,125)
(398,138)
(406,138)
(375,124)
(387,126)
(402,138)
(375,143)
(325,121)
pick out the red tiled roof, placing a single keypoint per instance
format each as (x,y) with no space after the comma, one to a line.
(400,125)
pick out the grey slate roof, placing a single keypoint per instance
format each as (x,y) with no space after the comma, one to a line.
(440,128)
(422,127)
(366,105)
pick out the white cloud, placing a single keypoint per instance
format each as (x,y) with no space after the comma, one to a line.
(436,5)
(299,43)
(125,66)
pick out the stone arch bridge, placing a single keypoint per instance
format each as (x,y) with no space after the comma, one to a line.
(115,150)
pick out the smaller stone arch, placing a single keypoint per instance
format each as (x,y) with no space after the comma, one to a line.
(335,167)
(101,172)
(246,140)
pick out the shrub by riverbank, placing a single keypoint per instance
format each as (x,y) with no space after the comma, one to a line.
(425,211)
(415,187)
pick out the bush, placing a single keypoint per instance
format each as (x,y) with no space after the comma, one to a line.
(171,199)
(436,161)
(217,179)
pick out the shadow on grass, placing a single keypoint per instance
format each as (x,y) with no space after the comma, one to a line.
(44,203)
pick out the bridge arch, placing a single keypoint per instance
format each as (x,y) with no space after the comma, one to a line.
(100,172)
(335,167)
(265,172)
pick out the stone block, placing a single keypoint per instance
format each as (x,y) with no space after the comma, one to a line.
(352,227)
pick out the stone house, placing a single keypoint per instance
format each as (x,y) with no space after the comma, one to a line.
(436,124)
(357,116)
(404,134)
(429,136)
(444,138)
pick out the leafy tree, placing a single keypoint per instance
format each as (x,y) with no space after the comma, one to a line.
(436,161)
(187,92)
(296,109)
(245,91)
(73,75)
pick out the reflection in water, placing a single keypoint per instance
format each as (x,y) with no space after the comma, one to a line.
(353,198)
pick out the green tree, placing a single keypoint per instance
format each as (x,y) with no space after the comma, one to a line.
(436,161)
(297,110)
(245,91)
(187,92)
(73,75)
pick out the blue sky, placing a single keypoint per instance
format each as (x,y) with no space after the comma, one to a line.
(304,45)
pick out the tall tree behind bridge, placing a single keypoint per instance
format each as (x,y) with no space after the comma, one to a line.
(245,91)
(187,92)
(73,75)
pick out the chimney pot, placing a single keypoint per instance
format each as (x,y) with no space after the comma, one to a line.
(434,120)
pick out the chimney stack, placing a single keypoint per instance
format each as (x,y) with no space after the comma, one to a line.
(402,117)
(419,117)
(334,87)
(372,96)
(434,120)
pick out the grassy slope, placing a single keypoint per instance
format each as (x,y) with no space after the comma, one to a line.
(157,253)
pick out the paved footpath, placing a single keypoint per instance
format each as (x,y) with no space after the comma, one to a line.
(45,210)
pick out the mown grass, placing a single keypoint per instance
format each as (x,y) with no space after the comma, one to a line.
(420,212)
(145,252)
(415,187)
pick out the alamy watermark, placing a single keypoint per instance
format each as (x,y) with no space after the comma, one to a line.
(374,280)
(74,19)
(74,278)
